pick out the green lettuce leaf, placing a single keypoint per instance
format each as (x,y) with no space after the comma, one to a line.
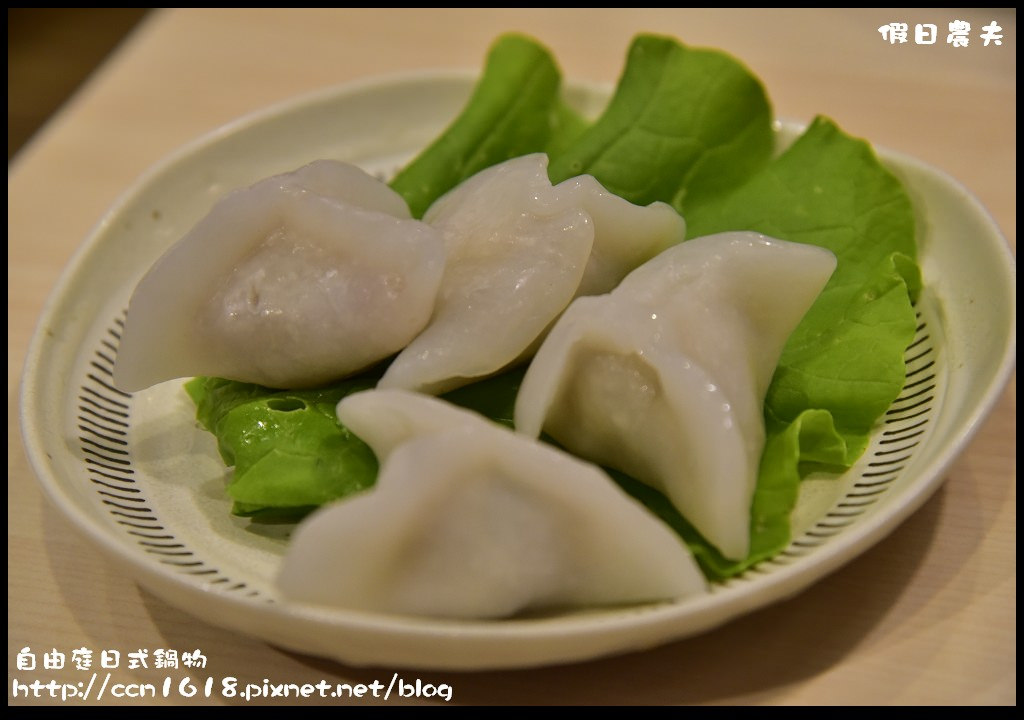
(683,123)
(830,189)
(290,454)
(289,451)
(515,109)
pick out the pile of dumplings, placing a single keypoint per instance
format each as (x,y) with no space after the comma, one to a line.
(646,354)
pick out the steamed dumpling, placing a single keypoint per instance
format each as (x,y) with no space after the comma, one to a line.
(665,377)
(384,419)
(518,251)
(298,280)
(471,520)
(625,235)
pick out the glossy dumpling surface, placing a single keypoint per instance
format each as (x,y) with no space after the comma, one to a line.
(298,280)
(518,251)
(664,378)
(471,520)
(625,235)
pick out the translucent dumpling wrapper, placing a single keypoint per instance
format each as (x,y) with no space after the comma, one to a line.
(384,419)
(664,378)
(518,251)
(471,520)
(298,280)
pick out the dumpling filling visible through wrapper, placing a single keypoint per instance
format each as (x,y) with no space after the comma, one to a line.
(296,281)
(518,251)
(664,378)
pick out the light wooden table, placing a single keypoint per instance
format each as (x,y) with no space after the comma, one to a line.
(926,616)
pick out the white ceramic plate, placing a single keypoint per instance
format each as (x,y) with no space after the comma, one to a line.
(137,475)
